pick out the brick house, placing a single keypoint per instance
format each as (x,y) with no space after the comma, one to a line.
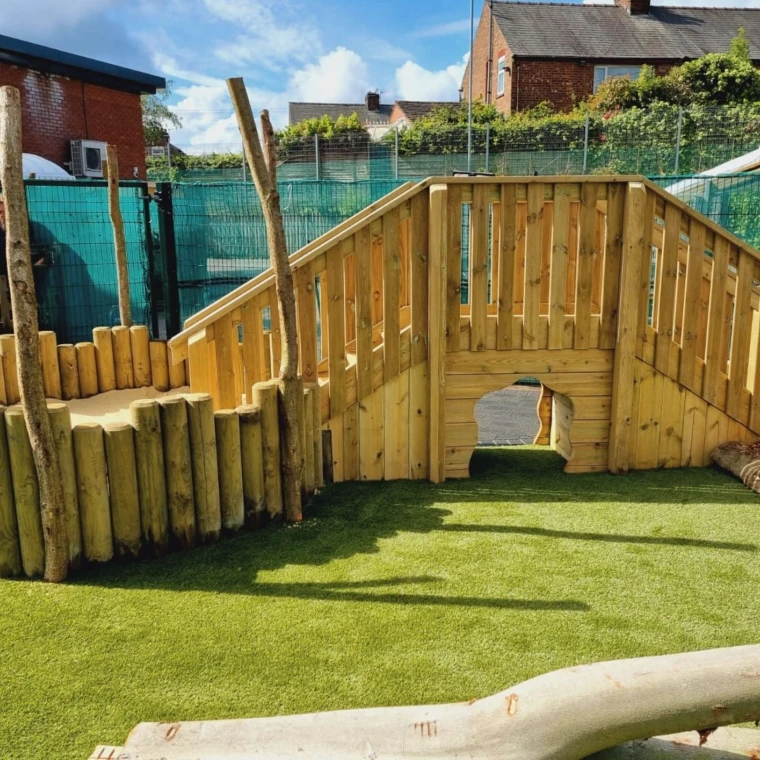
(529,52)
(67,97)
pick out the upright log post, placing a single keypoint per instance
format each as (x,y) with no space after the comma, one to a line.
(24,305)
(634,222)
(200,418)
(124,490)
(10,553)
(119,241)
(263,170)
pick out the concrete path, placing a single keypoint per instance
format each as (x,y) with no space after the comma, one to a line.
(508,417)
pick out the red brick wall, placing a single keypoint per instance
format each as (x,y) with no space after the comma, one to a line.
(57,110)
(562,83)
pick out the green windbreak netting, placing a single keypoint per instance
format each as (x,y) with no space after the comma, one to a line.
(221,237)
(73,252)
(731,200)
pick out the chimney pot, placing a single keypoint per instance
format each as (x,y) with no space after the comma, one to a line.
(372,101)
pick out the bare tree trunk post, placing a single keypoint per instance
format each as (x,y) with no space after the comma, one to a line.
(120,244)
(24,305)
(264,173)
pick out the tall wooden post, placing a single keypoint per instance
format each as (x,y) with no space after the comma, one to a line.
(24,305)
(264,173)
(437,254)
(119,241)
(634,244)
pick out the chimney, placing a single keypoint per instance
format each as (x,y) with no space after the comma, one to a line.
(635,7)
(373,101)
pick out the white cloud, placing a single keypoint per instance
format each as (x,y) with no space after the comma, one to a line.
(268,38)
(414,82)
(49,16)
(444,30)
(340,76)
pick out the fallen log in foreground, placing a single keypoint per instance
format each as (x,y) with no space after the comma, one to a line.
(723,744)
(740,460)
(565,715)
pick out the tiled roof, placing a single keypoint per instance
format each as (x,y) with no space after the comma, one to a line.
(300,111)
(559,30)
(416,109)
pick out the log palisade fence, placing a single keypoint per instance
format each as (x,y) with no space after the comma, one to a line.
(639,315)
(178,474)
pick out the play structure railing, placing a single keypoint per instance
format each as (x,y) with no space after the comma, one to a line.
(590,274)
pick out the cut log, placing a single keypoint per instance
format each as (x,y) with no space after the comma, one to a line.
(740,460)
(565,715)
(200,421)
(124,490)
(722,744)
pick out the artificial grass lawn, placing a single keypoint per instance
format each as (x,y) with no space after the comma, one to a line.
(388,593)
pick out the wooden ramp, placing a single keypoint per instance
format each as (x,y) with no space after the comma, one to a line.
(640,317)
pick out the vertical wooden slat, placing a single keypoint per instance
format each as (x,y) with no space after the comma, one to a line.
(307,322)
(403,248)
(642,327)
(363,289)
(547,241)
(197,356)
(558,269)
(494,248)
(351,443)
(613,251)
(585,270)
(336,338)
(668,282)
(396,408)
(253,343)
(506,283)
(391,295)
(376,238)
(275,335)
(634,256)
(372,436)
(349,279)
(533,245)
(478,279)
(737,378)
(225,342)
(695,263)
(453,264)
(440,237)
(419,278)
(572,257)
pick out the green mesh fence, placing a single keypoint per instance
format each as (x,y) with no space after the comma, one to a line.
(731,200)
(73,253)
(221,236)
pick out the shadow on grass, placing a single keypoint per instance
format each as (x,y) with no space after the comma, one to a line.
(352,518)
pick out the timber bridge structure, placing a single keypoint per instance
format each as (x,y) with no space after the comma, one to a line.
(640,315)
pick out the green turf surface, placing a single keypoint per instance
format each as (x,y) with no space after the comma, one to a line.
(388,593)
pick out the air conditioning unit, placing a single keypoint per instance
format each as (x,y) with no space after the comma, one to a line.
(87,158)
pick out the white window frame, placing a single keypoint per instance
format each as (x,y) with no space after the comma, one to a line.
(501,75)
(607,75)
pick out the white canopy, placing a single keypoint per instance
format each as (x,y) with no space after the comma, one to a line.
(41,168)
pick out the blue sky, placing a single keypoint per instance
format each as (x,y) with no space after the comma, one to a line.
(331,51)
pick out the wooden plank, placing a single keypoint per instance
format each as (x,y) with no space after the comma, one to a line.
(349,283)
(351,443)
(307,322)
(592,407)
(376,256)
(453,264)
(478,259)
(716,320)
(336,337)
(275,334)
(391,293)
(634,251)
(535,362)
(396,410)
(644,334)
(438,298)
(570,383)
(586,257)
(613,254)
(335,426)
(372,436)
(694,420)
(533,245)
(648,425)
(419,278)
(742,331)
(363,313)
(253,344)
(689,338)
(198,363)
(506,282)
(225,343)
(716,429)
(558,267)
(666,298)
(419,402)
(671,424)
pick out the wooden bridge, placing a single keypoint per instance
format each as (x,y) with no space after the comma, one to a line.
(640,316)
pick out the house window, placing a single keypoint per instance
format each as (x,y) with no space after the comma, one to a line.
(602,73)
(501,74)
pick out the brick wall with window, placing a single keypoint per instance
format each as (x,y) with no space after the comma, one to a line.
(58,109)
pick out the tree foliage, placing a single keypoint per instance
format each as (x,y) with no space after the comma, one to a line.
(157,117)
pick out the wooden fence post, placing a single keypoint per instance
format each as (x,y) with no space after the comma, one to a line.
(10,553)
(251,455)
(124,490)
(151,478)
(10,371)
(90,455)
(51,374)
(103,341)
(67,361)
(633,258)
(200,414)
(227,428)
(265,397)
(159,366)
(88,369)
(140,339)
(179,471)
(122,358)
(437,254)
